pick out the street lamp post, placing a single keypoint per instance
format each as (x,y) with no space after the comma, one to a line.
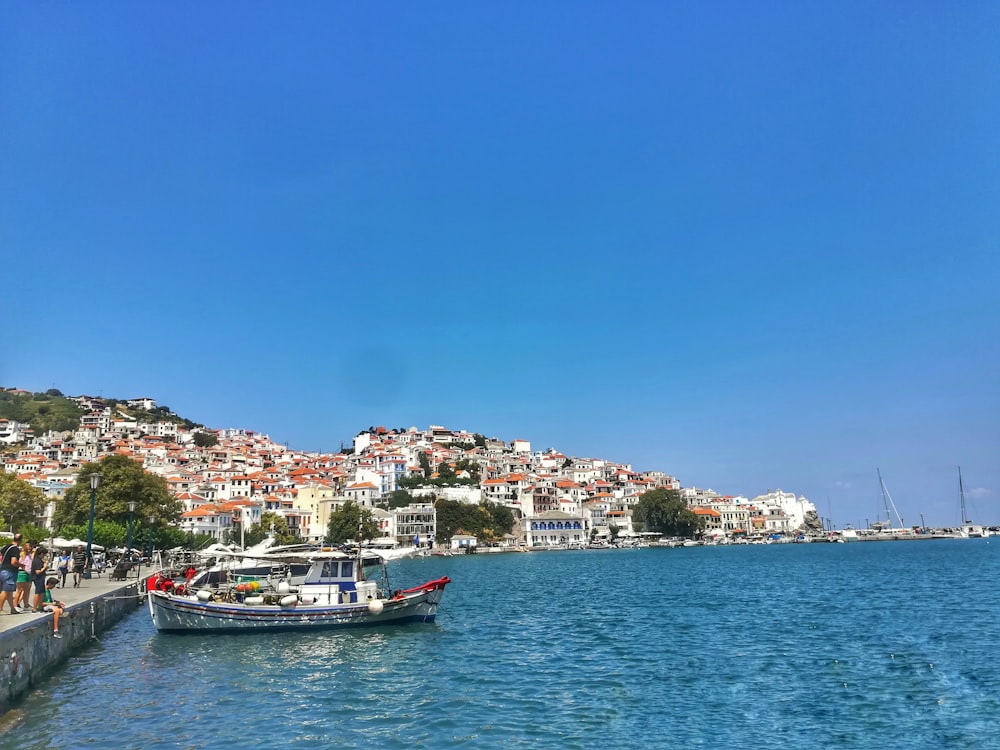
(128,544)
(95,482)
(152,533)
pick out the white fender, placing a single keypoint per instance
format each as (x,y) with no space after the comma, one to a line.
(375,606)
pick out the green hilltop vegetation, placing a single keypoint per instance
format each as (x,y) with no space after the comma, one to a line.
(53,411)
(43,411)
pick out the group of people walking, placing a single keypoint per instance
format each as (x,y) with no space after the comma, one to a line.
(23,565)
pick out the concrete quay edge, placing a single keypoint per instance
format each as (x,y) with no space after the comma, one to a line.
(29,654)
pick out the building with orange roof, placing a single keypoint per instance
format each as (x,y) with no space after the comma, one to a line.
(364,494)
(207,519)
(710,519)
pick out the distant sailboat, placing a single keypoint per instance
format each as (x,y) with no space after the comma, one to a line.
(970,530)
(889,506)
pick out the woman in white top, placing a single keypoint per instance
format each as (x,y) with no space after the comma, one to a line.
(62,566)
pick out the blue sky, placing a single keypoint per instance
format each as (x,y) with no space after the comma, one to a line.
(751,245)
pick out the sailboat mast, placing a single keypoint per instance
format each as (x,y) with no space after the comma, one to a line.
(887,501)
(961,495)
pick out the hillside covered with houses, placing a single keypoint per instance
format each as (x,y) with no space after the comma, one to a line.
(226,479)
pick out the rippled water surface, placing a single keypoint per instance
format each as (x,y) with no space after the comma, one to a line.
(870,645)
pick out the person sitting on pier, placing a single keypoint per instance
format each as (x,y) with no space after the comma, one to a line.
(50,605)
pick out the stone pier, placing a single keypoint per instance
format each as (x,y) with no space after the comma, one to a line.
(29,653)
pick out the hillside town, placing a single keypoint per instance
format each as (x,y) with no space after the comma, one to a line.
(557,500)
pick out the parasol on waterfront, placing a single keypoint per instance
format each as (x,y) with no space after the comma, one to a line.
(81,543)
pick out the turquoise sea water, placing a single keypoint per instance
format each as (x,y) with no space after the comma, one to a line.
(869,645)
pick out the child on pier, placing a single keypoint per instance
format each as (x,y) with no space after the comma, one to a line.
(50,605)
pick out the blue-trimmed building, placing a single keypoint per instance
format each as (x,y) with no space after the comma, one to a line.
(554,528)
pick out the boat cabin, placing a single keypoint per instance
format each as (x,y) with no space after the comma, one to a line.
(337,580)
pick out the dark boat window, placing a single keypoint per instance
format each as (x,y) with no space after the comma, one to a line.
(347,569)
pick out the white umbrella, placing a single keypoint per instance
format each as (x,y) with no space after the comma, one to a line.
(81,543)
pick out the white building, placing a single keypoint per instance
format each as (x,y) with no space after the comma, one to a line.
(417,522)
(554,528)
(787,504)
(207,519)
(13,432)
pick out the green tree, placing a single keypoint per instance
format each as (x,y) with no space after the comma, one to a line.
(43,412)
(503,517)
(270,523)
(398,499)
(665,512)
(351,522)
(205,439)
(20,503)
(488,521)
(106,533)
(122,480)
(34,533)
(157,536)
(425,464)
(467,464)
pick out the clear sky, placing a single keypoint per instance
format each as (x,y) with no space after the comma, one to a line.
(753,245)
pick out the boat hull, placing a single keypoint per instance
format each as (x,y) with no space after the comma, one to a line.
(173,613)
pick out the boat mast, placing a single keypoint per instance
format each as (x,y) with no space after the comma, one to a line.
(361,554)
(887,501)
(961,496)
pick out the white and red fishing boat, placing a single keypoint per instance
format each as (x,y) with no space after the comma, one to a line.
(334,593)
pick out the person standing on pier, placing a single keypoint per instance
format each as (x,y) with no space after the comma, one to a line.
(80,563)
(9,563)
(22,596)
(63,567)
